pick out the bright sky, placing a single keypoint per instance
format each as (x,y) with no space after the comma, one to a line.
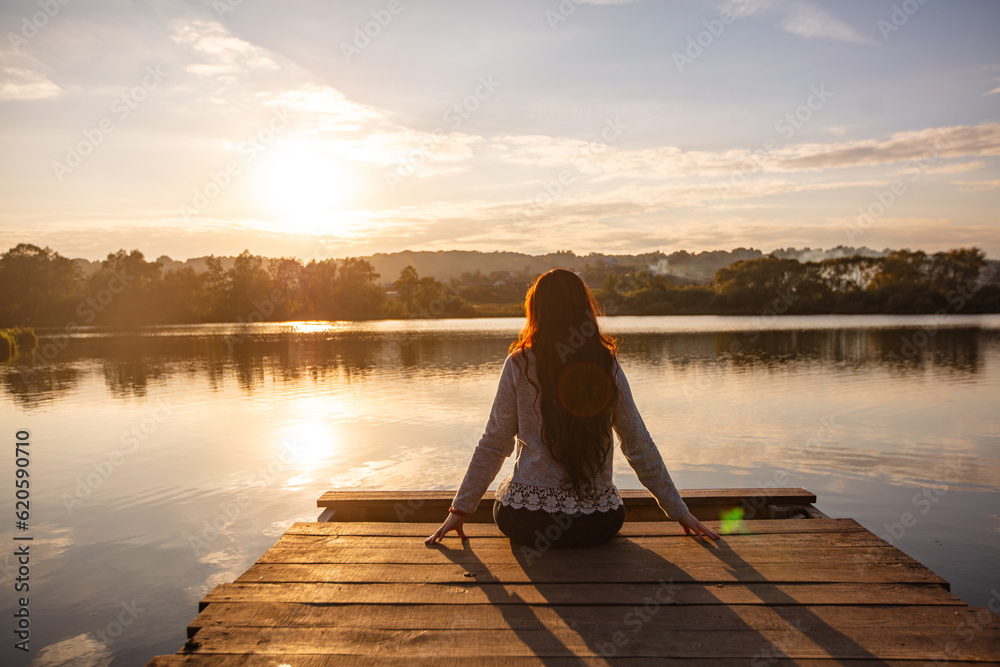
(326,129)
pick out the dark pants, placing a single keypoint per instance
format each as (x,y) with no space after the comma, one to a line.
(560,530)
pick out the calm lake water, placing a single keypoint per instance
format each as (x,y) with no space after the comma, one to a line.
(165,461)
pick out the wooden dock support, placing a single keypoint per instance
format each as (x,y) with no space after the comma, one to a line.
(810,591)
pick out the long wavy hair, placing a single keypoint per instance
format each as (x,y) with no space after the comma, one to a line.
(574,364)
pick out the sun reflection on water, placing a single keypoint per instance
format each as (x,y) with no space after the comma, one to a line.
(315,327)
(310,443)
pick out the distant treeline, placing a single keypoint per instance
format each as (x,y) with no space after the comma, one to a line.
(957,281)
(39,287)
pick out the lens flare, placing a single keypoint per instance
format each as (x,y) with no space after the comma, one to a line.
(732,521)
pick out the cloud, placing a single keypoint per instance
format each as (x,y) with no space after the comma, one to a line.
(222,57)
(976,186)
(21,79)
(325,109)
(799,17)
(79,651)
(367,134)
(956,168)
(610,162)
(929,143)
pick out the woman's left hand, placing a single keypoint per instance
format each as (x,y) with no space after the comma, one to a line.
(694,527)
(453,522)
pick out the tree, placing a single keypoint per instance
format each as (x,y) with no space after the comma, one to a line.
(750,284)
(216,290)
(848,275)
(249,287)
(951,271)
(406,285)
(38,286)
(122,291)
(287,274)
(904,271)
(319,289)
(358,296)
(180,296)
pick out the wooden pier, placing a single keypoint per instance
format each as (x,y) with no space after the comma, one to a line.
(787,585)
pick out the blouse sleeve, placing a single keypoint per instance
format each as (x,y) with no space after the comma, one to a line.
(641,453)
(496,444)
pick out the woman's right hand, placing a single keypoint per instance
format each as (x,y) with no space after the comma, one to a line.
(453,522)
(697,528)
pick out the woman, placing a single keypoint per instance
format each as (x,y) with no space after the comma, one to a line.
(561,393)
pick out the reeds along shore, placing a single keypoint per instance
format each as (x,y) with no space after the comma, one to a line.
(17,339)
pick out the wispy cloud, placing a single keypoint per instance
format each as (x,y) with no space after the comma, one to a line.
(368,134)
(976,186)
(674,162)
(799,17)
(220,55)
(21,78)
(943,142)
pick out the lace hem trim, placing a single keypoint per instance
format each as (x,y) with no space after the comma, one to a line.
(528,496)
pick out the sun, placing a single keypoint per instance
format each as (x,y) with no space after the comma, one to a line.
(304,184)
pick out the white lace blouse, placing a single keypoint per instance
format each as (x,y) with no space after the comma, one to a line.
(538,482)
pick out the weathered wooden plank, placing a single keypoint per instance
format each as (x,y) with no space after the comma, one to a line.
(511,613)
(690,496)
(797,640)
(550,571)
(597,558)
(606,594)
(848,540)
(421,506)
(630,529)
(301,660)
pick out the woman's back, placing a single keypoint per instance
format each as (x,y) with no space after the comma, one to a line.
(538,481)
(560,394)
